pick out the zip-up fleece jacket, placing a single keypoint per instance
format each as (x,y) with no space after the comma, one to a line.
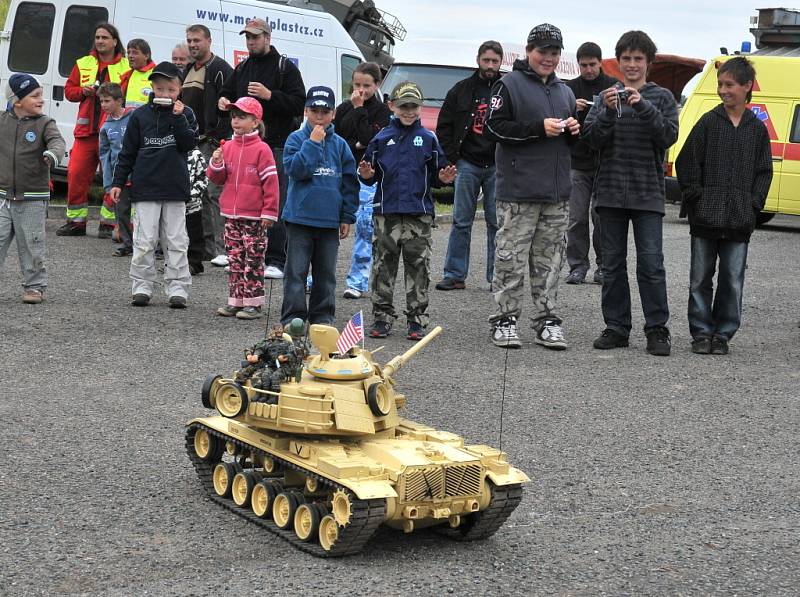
(154,153)
(323,183)
(217,123)
(407,160)
(24,174)
(250,178)
(531,167)
(111,135)
(583,156)
(360,125)
(288,92)
(630,174)
(90,117)
(724,172)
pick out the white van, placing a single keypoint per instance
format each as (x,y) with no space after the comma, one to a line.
(44,38)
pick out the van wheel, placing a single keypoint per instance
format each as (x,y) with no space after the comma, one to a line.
(763,217)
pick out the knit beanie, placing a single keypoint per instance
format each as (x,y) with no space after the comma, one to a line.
(19,86)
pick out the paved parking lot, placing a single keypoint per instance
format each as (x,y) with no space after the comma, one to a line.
(650,475)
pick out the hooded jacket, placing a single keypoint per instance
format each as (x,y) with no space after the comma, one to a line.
(724,172)
(86,72)
(360,125)
(25,175)
(323,184)
(407,160)
(583,156)
(111,135)
(250,180)
(630,174)
(531,167)
(217,124)
(288,92)
(154,153)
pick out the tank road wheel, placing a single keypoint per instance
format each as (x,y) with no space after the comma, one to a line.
(231,400)
(271,466)
(223,476)
(208,393)
(284,507)
(206,446)
(306,520)
(242,488)
(342,507)
(264,494)
(328,532)
(379,399)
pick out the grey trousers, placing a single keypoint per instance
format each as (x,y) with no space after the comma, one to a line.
(581,206)
(25,220)
(213,222)
(167,220)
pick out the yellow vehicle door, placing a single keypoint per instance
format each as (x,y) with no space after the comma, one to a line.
(775,116)
(788,171)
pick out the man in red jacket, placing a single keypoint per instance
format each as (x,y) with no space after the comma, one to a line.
(106,62)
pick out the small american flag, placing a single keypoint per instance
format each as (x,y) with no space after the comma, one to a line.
(351,335)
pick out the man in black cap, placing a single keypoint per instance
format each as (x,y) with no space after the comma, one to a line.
(276,82)
(531,116)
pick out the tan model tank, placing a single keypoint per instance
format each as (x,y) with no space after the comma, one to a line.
(313,449)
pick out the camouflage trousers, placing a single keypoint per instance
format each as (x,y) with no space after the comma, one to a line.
(530,236)
(409,236)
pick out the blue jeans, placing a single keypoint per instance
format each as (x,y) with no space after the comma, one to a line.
(722,317)
(469,181)
(650,273)
(315,247)
(361,263)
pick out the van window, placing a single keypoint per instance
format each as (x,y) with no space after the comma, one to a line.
(30,38)
(77,38)
(795,136)
(349,64)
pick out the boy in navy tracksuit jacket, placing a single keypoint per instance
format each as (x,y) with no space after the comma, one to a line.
(320,206)
(405,160)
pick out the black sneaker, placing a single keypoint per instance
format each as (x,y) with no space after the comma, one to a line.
(659,343)
(122,252)
(450,284)
(598,276)
(380,329)
(719,345)
(701,346)
(177,302)
(70,229)
(415,331)
(105,231)
(140,300)
(610,339)
(504,333)
(576,277)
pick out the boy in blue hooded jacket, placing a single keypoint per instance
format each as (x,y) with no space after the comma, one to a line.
(320,206)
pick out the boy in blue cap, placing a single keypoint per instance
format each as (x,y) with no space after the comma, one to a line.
(30,145)
(320,206)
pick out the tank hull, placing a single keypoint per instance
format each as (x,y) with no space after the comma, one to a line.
(408,477)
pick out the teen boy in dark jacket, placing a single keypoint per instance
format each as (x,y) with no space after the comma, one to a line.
(632,129)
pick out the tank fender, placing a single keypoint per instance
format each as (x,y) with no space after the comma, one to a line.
(367,490)
(513,476)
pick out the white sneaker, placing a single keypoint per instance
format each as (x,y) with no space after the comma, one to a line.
(273,272)
(551,336)
(220,260)
(504,333)
(352,293)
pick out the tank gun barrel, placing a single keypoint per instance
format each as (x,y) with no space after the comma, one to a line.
(390,368)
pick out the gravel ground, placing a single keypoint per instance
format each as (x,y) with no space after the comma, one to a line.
(650,475)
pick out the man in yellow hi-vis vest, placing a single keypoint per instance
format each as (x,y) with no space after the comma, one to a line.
(106,62)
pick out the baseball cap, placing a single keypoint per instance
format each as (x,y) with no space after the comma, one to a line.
(407,92)
(20,85)
(546,36)
(165,69)
(320,97)
(249,105)
(256,26)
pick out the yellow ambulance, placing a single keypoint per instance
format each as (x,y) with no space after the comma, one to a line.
(776,102)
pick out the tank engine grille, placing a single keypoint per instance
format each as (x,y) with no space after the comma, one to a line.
(436,482)
(462,479)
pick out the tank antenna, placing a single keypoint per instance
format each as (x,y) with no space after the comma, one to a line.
(269,307)
(503,398)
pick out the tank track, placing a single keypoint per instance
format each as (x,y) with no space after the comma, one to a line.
(367,515)
(485,523)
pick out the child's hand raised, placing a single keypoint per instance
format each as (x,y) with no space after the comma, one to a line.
(365,170)
(216,157)
(448,174)
(318,134)
(177,108)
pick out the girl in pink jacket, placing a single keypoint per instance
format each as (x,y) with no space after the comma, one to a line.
(249,204)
